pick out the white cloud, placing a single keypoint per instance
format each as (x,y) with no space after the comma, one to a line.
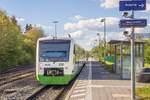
(140,30)
(85,31)
(45,27)
(92,24)
(77,17)
(77,34)
(110,3)
(143,30)
(115,36)
(87,38)
(143,17)
(19,19)
(90,40)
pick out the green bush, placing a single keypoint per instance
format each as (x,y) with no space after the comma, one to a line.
(143,93)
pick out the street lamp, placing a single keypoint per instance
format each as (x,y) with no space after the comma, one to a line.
(98,34)
(127,35)
(55,22)
(126,15)
(104,21)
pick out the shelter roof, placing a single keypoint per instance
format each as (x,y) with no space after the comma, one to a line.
(124,42)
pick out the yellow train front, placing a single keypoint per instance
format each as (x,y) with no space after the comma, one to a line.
(55,61)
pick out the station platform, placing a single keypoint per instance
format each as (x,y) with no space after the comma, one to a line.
(96,83)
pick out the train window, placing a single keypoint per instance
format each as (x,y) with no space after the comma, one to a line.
(54,54)
(54,51)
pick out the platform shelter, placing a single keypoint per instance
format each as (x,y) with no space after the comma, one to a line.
(122,57)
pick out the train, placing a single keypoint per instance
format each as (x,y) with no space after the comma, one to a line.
(56,61)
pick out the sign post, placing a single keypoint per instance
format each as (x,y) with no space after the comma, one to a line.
(132,63)
(135,22)
(133,5)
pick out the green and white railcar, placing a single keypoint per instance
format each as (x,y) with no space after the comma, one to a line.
(55,61)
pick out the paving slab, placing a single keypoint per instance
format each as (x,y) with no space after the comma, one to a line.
(97,83)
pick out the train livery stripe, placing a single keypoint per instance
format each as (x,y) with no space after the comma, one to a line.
(59,80)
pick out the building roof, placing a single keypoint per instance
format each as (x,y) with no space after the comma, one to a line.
(124,42)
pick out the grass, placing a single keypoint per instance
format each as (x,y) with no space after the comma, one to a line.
(143,93)
(147,65)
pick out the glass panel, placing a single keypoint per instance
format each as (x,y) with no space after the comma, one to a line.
(54,50)
(54,54)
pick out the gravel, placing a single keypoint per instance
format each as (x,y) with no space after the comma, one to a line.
(50,93)
(19,90)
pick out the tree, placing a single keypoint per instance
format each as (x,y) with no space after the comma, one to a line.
(28,27)
(30,40)
(16,48)
(9,40)
(34,34)
(147,51)
(80,52)
(13,19)
(97,52)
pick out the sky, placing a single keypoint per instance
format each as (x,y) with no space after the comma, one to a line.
(79,18)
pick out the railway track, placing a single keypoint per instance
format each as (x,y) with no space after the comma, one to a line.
(16,76)
(15,69)
(23,86)
(10,79)
(19,89)
(47,93)
(14,72)
(52,92)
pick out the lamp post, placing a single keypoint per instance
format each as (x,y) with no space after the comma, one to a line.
(98,34)
(55,22)
(95,46)
(104,21)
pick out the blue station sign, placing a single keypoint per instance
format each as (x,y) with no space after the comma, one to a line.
(133,23)
(132,5)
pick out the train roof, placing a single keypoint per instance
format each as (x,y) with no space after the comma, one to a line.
(51,38)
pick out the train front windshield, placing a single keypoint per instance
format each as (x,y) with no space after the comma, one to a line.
(54,50)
